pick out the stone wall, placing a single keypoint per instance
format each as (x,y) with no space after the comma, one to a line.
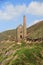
(21,31)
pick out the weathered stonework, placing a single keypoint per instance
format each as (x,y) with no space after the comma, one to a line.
(21,31)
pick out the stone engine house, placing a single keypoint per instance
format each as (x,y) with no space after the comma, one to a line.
(21,31)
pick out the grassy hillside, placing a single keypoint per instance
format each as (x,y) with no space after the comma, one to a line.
(8,35)
(36,31)
(23,54)
(12,53)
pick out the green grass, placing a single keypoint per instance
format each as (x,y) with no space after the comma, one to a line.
(24,54)
(28,56)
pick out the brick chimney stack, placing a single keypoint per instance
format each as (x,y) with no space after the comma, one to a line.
(24,27)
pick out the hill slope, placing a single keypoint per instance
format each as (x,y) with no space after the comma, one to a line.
(8,35)
(12,53)
(35,31)
(23,54)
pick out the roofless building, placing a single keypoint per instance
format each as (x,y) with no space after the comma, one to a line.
(21,31)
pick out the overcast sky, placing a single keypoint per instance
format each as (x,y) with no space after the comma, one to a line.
(12,12)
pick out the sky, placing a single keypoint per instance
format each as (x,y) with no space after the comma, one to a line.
(12,12)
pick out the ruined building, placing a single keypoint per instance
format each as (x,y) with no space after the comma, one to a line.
(21,31)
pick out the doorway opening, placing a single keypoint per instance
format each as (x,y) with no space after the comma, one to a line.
(21,36)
